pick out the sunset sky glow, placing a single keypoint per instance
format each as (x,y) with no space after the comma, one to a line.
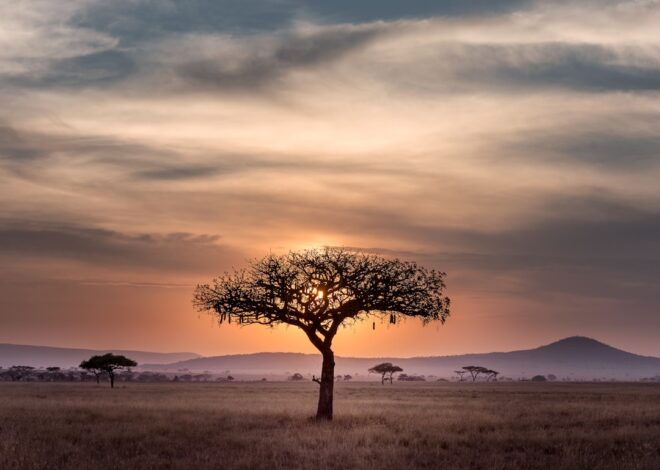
(147,146)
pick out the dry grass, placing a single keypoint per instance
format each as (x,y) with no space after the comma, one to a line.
(267,425)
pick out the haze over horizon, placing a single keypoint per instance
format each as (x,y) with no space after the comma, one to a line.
(146,147)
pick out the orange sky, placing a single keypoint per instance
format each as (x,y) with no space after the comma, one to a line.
(512,144)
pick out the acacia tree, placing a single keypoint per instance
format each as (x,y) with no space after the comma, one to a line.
(384,369)
(491,374)
(475,371)
(320,290)
(107,363)
(460,374)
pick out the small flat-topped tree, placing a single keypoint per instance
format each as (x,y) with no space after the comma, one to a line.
(460,374)
(491,374)
(475,371)
(320,290)
(108,363)
(384,369)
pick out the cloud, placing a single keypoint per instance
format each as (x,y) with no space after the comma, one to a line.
(93,69)
(447,66)
(174,252)
(14,147)
(35,33)
(135,22)
(617,141)
(587,246)
(587,67)
(374,10)
(249,64)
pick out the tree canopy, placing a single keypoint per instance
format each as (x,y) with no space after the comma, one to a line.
(320,290)
(476,370)
(108,363)
(384,369)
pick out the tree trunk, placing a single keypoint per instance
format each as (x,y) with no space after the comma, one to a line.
(112,380)
(324,410)
(98,379)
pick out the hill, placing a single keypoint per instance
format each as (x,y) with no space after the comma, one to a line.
(45,356)
(573,358)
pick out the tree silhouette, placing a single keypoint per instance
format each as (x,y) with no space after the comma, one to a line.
(460,374)
(475,371)
(491,374)
(320,290)
(384,369)
(107,363)
(16,373)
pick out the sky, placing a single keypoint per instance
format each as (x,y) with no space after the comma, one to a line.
(148,146)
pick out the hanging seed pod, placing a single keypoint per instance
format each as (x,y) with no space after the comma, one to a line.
(373,326)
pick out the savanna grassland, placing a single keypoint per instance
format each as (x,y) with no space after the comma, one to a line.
(267,425)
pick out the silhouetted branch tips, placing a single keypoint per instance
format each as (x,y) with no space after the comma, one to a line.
(320,290)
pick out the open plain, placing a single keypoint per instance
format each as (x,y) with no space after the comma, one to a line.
(519,425)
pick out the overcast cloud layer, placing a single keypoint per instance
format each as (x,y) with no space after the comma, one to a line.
(146,146)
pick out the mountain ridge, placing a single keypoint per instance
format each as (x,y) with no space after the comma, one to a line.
(575,357)
(32,355)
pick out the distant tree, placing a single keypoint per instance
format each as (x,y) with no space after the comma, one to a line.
(348,377)
(107,363)
(384,369)
(230,378)
(551,377)
(460,374)
(17,373)
(411,378)
(318,291)
(491,374)
(53,369)
(296,377)
(539,378)
(475,371)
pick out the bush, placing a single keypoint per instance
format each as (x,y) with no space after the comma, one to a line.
(411,378)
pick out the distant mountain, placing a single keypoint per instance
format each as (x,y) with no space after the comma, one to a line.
(38,356)
(573,358)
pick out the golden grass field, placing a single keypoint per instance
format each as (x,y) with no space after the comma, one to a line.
(267,426)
